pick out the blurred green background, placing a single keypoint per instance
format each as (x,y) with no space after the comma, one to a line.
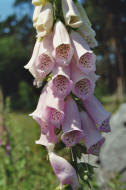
(24,165)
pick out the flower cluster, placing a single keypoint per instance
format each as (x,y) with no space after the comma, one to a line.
(62,55)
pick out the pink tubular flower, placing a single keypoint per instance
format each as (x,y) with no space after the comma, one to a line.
(92,138)
(63,50)
(61,83)
(50,109)
(71,126)
(49,137)
(85,58)
(97,113)
(31,64)
(64,171)
(83,86)
(41,62)
(45,61)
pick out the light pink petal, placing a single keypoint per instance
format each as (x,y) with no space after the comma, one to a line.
(63,50)
(54,109)
(61,83)
(71,126)
(85,58)
(31,64)
(64,171)
(92,138)
(50,109)
(97,113)
(45,61)
(49,137)
(83,86)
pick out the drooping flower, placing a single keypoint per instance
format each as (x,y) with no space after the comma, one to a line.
(50,109)
(41,62)
(83,13)
(71,126)
(97,113)
(85,59)
(85,29)
(45,61)
(83,86)
(63,50)
(48,138)
(61,83)
(45,20)
(38,2)
(71,14)
(64,171)
(31,66)
(88,34)
(92,138)
(36,13)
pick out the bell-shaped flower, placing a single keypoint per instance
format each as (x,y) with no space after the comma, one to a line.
(97,113)
(83,13)
(88,34)
(83,86)
(61,83)
(41,62)
(71,126)
(49,137)
(38,2)
(71,14)
(64,171)
(63,50)
(92,138)
(45,20)
(50,109)
(45,61)
(31,65)
(85,58)
(36,13)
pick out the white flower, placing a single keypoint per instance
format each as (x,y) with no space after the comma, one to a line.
(71,14)
(45,20)
(83,13)
(36,13)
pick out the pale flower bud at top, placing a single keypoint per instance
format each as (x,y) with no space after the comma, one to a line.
(63,50)
(38,2)
(61,83)
(36,14)
(88,34)
(71,14)
(45,20)
(92,138)
(71,126)
(64,171)
(83,13)
(85,58)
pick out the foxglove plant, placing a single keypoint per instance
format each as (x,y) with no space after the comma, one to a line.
(64,65)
